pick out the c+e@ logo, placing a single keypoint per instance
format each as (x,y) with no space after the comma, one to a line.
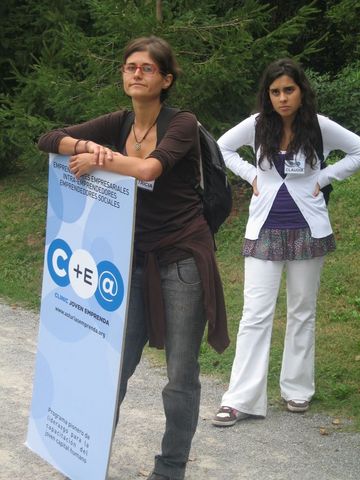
(79,269)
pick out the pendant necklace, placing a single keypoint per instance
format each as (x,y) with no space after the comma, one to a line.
(139,142)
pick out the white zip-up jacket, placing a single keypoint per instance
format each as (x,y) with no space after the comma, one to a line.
(300,187)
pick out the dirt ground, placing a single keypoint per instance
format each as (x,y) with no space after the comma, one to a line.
(283,446)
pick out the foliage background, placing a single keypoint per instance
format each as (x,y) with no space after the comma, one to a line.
(59,64)
(59,60)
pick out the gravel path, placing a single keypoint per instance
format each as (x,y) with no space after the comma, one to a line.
(284,446)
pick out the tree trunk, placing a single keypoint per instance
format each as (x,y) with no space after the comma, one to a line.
(159,13)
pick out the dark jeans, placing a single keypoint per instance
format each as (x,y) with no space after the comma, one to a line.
(185,324)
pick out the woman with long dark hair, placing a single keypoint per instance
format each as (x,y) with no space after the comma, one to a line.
(288,230)
(175,285)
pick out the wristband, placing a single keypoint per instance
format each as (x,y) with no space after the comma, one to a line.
(75,146)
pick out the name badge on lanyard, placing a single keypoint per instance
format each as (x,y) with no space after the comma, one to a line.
(294,164)
(146,185)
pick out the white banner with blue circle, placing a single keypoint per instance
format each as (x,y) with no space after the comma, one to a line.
(87,267)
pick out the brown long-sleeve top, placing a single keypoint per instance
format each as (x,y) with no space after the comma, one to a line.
(169,221)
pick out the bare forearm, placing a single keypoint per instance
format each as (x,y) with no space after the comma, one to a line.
(141,168)
(72,146)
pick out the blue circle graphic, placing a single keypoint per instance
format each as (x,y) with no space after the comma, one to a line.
(58,258)
(43,393)
(110,290)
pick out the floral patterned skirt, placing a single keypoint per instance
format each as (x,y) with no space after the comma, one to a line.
(298,244)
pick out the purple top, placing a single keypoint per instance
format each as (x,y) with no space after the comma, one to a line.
(284,213)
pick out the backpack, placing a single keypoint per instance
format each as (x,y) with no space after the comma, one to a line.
(319,149)
(214,187)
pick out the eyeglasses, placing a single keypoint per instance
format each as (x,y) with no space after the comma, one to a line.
(146,68)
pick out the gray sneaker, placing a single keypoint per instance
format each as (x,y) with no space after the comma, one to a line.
(227,417)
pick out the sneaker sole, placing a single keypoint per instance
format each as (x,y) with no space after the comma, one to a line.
(229,423)
(293,409)
(219,423)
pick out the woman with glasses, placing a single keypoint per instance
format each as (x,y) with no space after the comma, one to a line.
(288,229)
(175,284)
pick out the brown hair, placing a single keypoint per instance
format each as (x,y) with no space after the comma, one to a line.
(162,54)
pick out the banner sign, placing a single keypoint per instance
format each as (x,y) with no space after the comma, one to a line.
(87,267)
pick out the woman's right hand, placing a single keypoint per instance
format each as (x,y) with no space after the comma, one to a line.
(254,186)
(100,153)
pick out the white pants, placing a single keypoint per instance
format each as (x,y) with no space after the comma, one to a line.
(247,391)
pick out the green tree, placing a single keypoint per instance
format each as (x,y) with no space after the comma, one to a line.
(334,28)
(72,72)
(339,95)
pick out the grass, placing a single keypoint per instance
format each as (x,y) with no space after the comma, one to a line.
(22,227)
(23,201)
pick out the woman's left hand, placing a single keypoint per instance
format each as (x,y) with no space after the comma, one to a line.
(82,163)
(317,190)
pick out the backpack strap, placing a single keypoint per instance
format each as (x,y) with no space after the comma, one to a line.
(319,149)
(125,128)
(165,115)
(256,141)
(318,143)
